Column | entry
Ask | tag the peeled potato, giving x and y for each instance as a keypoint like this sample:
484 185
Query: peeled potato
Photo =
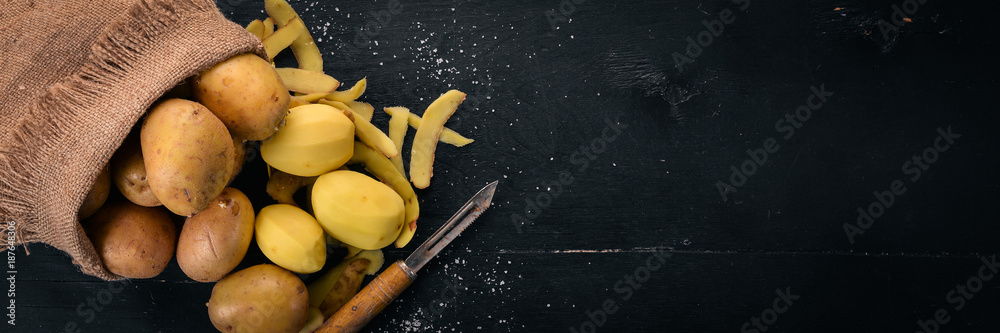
291 238
133 241
262 298
188 154
246 93
314 140
97 195
357 210
128 173
215 240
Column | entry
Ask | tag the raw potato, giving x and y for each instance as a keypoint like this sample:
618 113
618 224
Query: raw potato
246 94
97 196
357 210
448 135
291 238
338 285
425 141
214 241
128 173
262 298
379 166
315 139
188 155
133 241
239 156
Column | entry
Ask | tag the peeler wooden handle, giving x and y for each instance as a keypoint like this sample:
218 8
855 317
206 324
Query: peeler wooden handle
371 300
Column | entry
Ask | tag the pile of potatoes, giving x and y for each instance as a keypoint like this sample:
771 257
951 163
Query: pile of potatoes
173 171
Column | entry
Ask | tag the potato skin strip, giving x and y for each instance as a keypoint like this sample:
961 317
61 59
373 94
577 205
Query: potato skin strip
397 131
379 166
256 27
282 38
304 47
268 26
371 135
426 139
351 94
308 82
448 135
295 101
361 108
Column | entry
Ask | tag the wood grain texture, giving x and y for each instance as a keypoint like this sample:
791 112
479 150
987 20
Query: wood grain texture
370 301
538 97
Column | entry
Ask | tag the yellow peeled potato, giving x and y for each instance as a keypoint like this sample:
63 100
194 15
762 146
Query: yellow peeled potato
291 238
357 210
246 93
214 241
314 140
188 154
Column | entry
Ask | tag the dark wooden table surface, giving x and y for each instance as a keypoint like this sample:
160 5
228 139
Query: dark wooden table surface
863 144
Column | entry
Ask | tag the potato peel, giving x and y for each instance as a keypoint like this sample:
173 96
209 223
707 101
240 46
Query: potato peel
397 131
303 46
256 27
308 82
448 135
283 37
351 94
425 141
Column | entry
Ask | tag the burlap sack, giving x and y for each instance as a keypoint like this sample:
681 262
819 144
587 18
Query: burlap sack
75 76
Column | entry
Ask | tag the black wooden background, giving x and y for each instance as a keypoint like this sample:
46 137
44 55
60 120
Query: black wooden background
609 215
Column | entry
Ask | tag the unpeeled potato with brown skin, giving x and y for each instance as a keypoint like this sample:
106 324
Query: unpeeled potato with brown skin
262 298
246 93
133 241
128 173
97 196
214 241
188 154
239 156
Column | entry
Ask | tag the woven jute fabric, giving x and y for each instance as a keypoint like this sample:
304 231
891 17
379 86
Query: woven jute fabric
75 76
